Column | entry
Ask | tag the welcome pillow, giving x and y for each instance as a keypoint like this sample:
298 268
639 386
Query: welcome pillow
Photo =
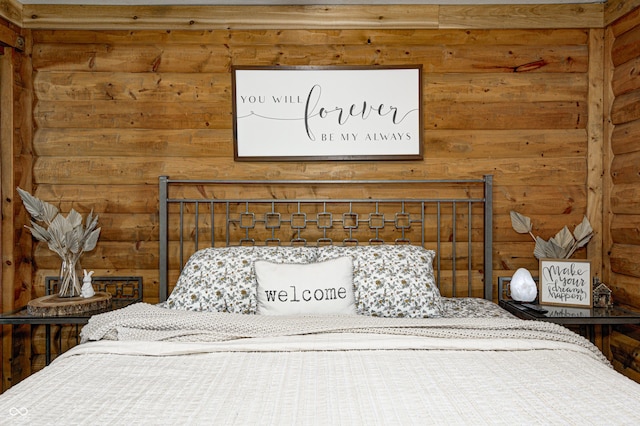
324 288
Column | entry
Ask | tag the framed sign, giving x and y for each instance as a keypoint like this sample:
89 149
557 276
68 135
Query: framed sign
565 282
327 113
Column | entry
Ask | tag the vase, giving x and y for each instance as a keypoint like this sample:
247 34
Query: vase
70 281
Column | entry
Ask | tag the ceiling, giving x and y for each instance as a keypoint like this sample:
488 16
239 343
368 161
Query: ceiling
295 2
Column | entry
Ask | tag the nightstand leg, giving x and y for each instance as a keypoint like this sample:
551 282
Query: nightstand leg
47 345
604 331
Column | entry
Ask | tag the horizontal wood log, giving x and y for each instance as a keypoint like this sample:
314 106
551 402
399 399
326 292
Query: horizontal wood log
65 196
128 170
626 108
625 229
219 143
625 289
626 46
219 58
626 77
216 87
133 114
505 59
134 142
310 37
154 87
540 200
129 227
543 225
107 255
101 197
624 259
624 199
525 143
225 17
625 168
516 87
624 138
316 16
443 115
506 16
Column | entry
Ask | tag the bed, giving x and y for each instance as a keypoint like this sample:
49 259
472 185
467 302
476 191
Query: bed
324 302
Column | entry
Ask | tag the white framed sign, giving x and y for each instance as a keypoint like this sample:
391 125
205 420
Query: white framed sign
565 282
327 113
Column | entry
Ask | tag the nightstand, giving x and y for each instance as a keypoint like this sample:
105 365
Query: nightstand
125 291
575 316
592 323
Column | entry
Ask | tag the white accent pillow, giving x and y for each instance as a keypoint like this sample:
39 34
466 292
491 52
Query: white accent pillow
324 288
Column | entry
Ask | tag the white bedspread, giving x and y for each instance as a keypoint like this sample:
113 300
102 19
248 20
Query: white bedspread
321 371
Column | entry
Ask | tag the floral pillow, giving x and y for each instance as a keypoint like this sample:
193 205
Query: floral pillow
391 280
223 279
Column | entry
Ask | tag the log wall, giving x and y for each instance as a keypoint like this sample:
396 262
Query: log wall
114 110
623 183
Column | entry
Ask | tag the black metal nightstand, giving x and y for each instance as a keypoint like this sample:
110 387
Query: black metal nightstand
588 322
575 316
125 291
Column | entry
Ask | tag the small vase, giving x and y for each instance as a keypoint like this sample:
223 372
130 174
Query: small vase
70 282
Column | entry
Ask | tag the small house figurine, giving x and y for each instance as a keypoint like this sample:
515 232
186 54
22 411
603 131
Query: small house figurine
602 297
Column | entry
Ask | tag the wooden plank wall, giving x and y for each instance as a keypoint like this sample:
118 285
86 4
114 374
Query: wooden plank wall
114 110
623 183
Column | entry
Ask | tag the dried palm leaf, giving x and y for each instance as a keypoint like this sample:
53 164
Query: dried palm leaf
521 223
40 211
562 246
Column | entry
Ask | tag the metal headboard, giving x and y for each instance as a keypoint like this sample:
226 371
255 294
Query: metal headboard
195 214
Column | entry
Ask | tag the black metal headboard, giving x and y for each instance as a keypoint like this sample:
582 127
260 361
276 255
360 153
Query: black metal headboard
452 217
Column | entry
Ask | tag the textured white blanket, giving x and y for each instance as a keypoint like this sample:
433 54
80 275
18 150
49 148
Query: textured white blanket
322 371
151 323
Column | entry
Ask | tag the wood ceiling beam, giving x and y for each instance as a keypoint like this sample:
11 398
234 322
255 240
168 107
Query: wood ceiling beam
69 17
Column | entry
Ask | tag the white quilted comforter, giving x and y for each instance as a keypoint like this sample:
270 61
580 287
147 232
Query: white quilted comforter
148 365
